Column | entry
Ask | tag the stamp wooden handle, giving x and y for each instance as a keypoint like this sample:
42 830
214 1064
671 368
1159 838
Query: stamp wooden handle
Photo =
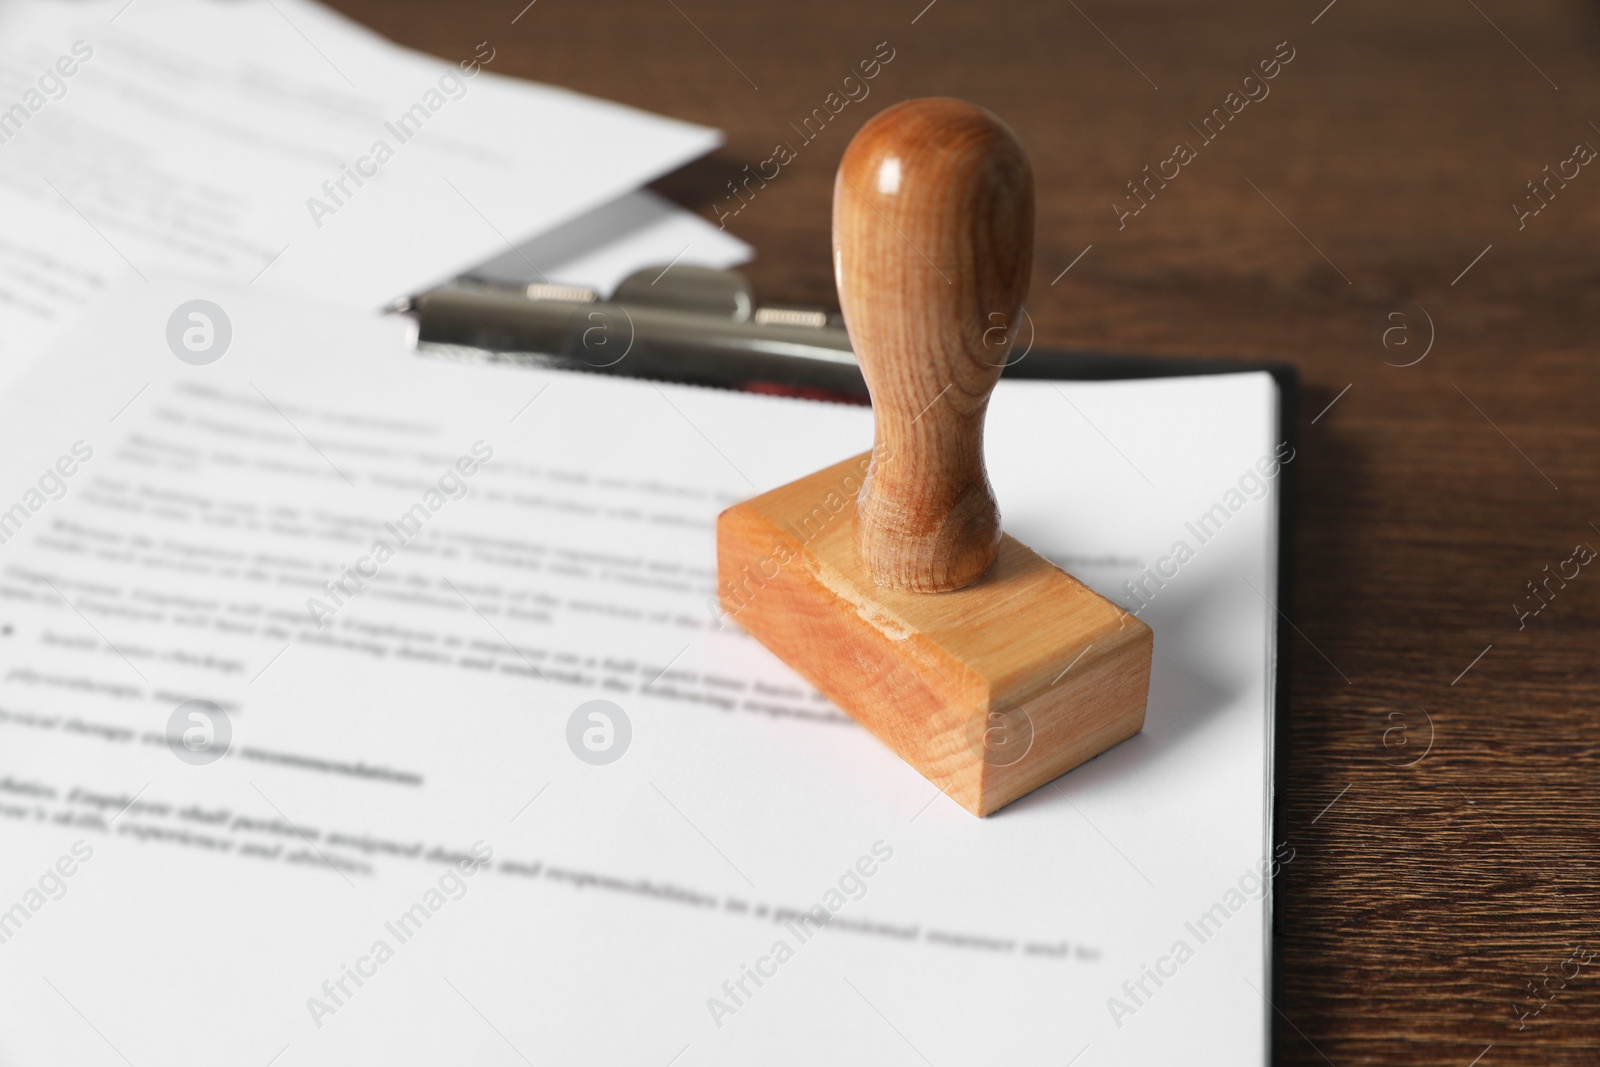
932 248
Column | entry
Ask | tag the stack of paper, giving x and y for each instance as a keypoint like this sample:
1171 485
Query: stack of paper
401 581
274 143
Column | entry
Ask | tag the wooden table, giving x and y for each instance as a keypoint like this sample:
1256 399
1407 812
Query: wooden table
1359 221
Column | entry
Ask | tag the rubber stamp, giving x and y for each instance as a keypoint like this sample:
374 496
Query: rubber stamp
886 580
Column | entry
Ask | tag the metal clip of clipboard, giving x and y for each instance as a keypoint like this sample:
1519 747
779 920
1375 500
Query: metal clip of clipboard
684 324
703 327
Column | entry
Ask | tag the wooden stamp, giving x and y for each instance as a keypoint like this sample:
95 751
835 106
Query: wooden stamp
885 580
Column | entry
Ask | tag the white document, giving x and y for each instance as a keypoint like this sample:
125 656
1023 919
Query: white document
598 250
409 851
272 143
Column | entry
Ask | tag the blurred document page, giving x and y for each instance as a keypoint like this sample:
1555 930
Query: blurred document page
397 829
598 250
271 143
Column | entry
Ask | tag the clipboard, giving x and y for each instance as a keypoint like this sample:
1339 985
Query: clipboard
698 326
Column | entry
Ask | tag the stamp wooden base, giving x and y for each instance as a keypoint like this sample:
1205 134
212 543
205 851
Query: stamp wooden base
989 691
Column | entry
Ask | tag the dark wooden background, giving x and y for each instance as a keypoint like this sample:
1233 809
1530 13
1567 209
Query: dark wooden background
1423 902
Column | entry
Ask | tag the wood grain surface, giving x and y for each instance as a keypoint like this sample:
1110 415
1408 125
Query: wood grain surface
1367 190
